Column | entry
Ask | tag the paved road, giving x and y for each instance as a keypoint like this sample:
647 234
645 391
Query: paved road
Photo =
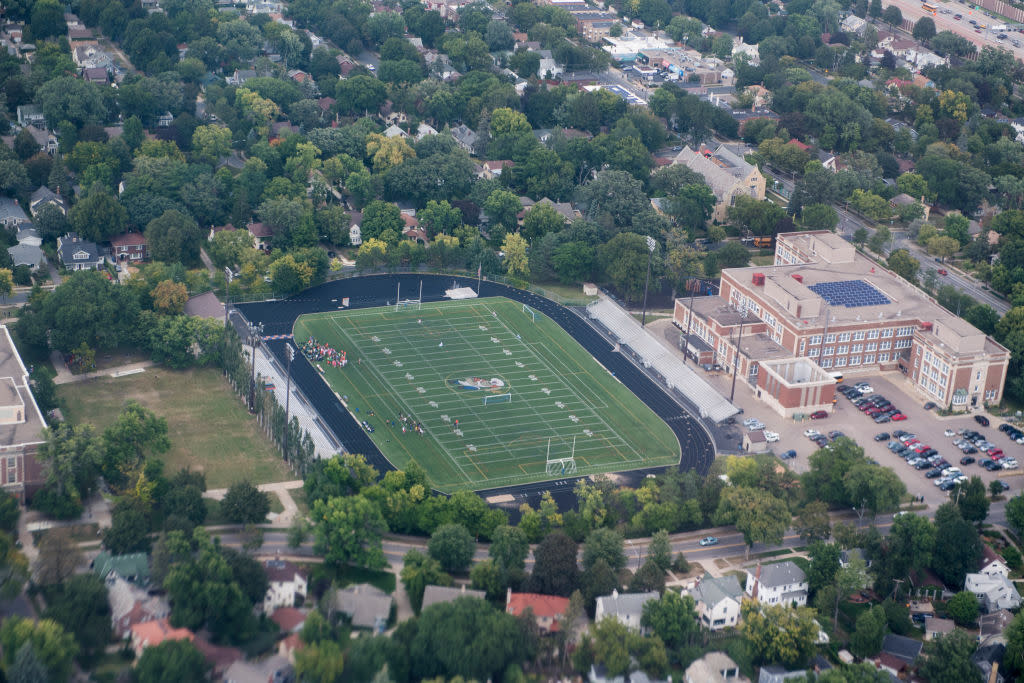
912 10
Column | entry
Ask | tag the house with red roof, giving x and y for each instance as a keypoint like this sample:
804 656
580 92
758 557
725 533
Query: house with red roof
289 619
261 235
150 633
546 609
129 247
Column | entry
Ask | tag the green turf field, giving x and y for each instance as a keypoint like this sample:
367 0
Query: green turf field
410 362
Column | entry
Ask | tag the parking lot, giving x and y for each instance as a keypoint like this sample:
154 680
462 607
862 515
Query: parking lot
928 426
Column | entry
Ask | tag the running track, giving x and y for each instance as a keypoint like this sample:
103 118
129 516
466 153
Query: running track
278 317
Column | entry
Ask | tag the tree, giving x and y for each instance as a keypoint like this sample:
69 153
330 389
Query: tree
825 564
924 29
26 667
320 662
452 546
554 568
501 208
80 606
910 544
517 263
14 569
509 548
673 618
659 550
439 217
813 521
972 500
539 220
136 434
904 265
612 199
624 260
71 456
650 577
173 237
379 217
868 632
604 544
130 526
245 504
348 530
170 662
211 143
949 659
819 217
757 514
1014 658
289 275
98 217
779 634
960 549
942 246
892 16
963 608
760 217
420 571
876 488
880 239
51 644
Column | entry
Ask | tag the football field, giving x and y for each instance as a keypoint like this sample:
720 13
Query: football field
484 393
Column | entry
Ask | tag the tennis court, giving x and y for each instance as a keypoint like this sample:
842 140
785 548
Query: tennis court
530 403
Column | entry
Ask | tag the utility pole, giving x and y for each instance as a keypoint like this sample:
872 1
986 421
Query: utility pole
288 398
689 320
255 332
736 362
652 244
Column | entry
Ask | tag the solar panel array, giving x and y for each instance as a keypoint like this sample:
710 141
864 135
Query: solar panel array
849 293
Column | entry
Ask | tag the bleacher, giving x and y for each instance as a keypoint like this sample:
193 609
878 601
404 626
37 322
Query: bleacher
628 332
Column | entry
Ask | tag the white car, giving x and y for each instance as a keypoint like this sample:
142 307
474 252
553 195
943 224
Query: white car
750 420
811 433
866 389
949 432
771 437
756 426
951 471
1010 464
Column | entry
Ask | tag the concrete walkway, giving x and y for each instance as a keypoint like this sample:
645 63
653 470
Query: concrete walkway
280 489
65 376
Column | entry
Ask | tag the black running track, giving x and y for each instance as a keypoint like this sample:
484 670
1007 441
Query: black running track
278 318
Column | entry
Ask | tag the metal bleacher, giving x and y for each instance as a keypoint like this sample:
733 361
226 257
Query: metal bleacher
628 332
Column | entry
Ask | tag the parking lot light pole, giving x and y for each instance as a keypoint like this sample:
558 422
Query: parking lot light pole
288 398
652 244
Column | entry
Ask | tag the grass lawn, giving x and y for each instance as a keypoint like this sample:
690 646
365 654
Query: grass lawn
492 386
209 428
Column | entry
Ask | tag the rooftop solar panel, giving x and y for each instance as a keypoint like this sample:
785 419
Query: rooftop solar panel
849 293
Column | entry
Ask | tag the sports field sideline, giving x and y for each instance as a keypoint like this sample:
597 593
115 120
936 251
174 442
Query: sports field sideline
435 364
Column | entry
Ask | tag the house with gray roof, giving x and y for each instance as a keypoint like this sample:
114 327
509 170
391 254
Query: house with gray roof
30 255
433 595
727 174
76 253
365 606
11 214
627 608
905 649
31 115
465 137
130 605
994 592
714 667
718 601
781 583
274 669
44 196
773 673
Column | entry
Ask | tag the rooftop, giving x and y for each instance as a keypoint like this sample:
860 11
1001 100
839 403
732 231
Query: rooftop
281 570
624 604
780 574
906 649
437 594
712 591
551 606
29 429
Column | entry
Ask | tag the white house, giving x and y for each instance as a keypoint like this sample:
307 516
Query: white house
780 583
286 582
994 592
628 608
854 24
355 235
991 563
718 601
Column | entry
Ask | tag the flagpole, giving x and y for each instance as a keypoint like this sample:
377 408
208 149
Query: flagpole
479 276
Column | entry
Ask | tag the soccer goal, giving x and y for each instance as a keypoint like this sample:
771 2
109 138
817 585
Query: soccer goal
497 398
530 312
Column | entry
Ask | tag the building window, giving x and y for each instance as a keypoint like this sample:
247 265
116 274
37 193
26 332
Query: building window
872 334
12 470
829 351
883 358
858 336
844 337
826 363
903 343
990 394
857 348
960 398
843 349
904 331
869 358
840 362
813 353
815 340
978 376
886 333
871 346
803 346
854 360
885 346
830 338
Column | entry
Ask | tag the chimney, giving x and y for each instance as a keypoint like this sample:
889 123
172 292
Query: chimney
615 593
757 580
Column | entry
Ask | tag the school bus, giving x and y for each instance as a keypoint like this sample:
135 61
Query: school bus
762 242
929 8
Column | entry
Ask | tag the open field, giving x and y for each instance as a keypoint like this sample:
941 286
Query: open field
512 382
209 427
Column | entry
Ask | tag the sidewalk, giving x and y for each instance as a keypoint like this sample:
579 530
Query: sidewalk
280 489
65 376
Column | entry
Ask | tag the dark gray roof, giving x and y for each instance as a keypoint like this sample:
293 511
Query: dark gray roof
365 605
902 647
71 244
44 194
781 574
712 591
9 210
25 255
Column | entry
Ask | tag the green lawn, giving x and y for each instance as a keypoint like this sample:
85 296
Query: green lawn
411 362
209 427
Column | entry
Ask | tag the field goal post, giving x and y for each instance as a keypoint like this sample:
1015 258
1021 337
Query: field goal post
560 466
530 312
497 398
408 304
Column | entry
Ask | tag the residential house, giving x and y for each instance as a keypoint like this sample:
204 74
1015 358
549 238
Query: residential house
780 583
152 633
282 129
44 196
30 255
11 215
46 140
718 601
96 74
902 648
923 609
993 592
130 247
130 605
989 660
726 173
846 555
547 609
437 594
853 24
78 254
275 669
935 627
992 627
599 674
133 567
628 608
218 657
31 115
991 563
286 585
465 137
393 131
773 673
714 667
240 76
355 235
563 209
365 606
261 235
21 425
493 169
548 67
750 51
289 619
165 120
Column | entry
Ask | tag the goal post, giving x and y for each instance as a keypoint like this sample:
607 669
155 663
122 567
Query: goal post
530 312
497 398
560 466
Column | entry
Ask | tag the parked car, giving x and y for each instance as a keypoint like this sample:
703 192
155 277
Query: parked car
883 419
750 421
787 455
898 417
949 432
1003 485
982 420
771 437
882 436
905 437
967 460
835 434
708 540
929 405
866 389
1010 464
818 415
933 473
811 433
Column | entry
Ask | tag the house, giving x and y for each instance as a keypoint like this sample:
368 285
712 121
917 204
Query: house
718 601
548 67
854 24
78 254
993 592
44 196
289 619
240 76
218 657
286 585
21 424
393 131
31 115
991 563
11 215
96 74
563 209
902 648
599 674
546 608
130 247
151 633
628 608
47 141
726 173
935 627
355 235
30 255
779 583
437 594
261 235
492 169
772 673
465 137
853 553
165 120
992 626
133 567
755 442
130 605
424 129
989 659
365 606
714 667
276 669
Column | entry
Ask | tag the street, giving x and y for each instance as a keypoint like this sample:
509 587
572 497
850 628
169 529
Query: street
986 37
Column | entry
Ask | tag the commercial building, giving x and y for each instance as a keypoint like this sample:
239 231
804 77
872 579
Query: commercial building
823 308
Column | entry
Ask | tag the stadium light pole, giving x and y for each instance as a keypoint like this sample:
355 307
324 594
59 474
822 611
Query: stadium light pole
255 331
652 244
689 319
288 398
736 362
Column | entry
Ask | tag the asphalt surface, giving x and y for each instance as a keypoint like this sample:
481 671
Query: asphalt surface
278 318
986 37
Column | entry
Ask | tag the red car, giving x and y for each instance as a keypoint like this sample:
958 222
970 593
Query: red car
819 415
995 452
912 442
898 417
941 271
